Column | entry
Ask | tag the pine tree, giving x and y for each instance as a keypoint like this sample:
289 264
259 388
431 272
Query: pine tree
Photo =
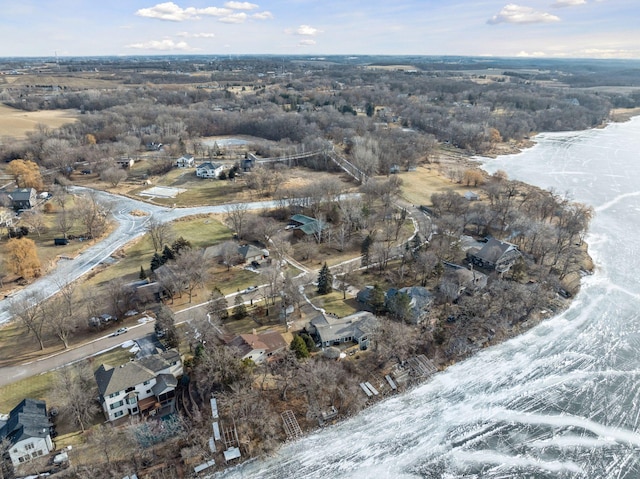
365 250
240 309
325 280
180 244
167 254
376 299
299 347
156 261
143 273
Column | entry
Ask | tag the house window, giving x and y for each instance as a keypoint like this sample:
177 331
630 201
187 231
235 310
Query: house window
116 404
146 382
132 400
29 446
118 414
22 459
112 395
148 391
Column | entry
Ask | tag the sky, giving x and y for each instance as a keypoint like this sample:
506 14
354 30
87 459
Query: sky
526 28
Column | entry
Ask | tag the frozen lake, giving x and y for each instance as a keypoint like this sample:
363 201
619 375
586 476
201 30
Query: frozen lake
561 401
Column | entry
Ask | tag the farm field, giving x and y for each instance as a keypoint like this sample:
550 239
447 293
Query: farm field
16 123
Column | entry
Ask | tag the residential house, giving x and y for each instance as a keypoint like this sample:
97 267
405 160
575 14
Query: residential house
329 330
420 302
304 226
28 430
209 170
252 254
495 255
459 280
125 162
145 387
153 146
258 347
23 198
471 196
186 161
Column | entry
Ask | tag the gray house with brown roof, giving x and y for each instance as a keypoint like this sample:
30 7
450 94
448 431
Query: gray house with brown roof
144 387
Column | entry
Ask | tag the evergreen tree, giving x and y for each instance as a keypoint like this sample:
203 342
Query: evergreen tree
365 251
240 309
399 306
156 261
299 347
180 244
376 299
143 273
167 254
325 280
308 340
218 304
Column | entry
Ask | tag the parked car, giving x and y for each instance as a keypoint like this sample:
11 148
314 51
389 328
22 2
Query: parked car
120 331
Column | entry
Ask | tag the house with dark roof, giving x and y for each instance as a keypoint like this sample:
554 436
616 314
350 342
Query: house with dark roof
252 254
420 301
304 226
144 387
258 347
23 198
495 255
28 430
330 330
209 170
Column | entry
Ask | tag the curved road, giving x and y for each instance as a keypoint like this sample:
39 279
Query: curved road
129 228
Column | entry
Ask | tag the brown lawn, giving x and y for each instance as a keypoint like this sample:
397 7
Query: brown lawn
16 123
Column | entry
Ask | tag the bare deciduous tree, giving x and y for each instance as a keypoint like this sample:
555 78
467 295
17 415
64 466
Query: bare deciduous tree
30 313
75 392
236 215
161 233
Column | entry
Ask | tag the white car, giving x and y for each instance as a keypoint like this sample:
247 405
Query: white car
120 331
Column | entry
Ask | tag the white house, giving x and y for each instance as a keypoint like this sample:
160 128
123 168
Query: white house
144 387
186 161
27 429
209 170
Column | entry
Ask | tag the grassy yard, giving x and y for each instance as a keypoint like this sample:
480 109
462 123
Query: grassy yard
419 185
40 386
201 231
332 302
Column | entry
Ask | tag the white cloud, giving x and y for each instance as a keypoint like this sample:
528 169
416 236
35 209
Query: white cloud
524 54
306 42
196 35
262 15
305 30
162 45
241 5
169 11
512 13
568 3
234 18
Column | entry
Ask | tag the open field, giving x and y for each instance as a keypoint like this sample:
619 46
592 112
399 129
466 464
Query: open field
16 123
75 80
419 185
201 231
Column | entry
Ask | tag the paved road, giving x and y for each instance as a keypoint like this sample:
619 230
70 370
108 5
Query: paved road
12 374
129 228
